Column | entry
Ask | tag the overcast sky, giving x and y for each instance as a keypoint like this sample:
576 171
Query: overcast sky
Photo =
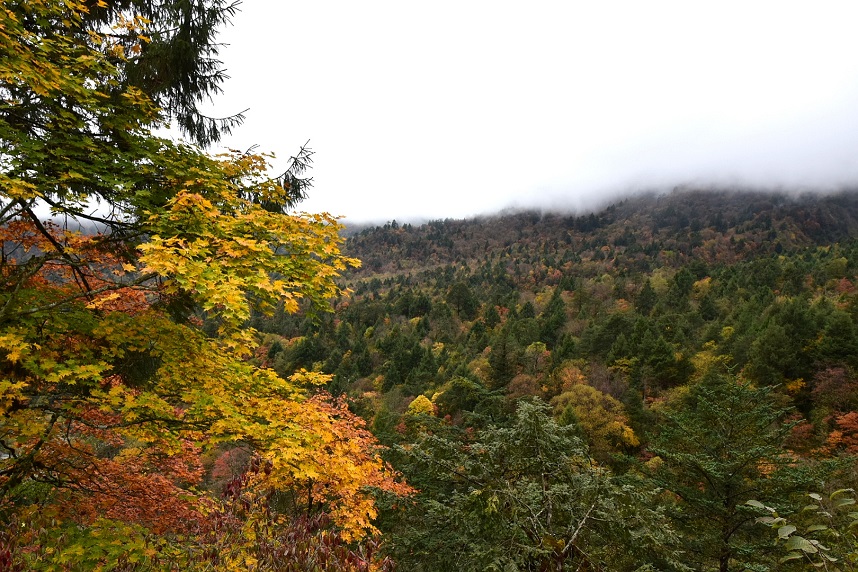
427 110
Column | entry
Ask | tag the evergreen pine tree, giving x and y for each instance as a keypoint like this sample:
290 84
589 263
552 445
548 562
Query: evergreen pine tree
720 447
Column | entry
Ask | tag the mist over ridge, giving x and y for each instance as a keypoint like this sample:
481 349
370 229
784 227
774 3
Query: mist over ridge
595 203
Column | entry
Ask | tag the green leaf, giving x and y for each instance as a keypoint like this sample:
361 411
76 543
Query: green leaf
786 530
791 556
815 527
800 543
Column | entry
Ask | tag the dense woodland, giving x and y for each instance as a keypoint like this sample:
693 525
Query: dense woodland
692 339
194 377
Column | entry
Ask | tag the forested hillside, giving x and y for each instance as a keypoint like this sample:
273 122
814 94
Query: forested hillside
195 377
635 295
623 323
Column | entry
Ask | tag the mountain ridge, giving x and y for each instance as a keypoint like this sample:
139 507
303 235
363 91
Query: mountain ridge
690 223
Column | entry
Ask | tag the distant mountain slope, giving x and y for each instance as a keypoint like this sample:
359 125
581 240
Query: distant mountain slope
637 301
680 226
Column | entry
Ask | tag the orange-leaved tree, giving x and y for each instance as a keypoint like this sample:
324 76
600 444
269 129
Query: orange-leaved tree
129 266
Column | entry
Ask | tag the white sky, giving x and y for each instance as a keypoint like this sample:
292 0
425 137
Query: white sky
426 110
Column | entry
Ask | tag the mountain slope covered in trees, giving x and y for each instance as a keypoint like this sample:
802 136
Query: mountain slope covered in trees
651 276
654 386
702 341
714 225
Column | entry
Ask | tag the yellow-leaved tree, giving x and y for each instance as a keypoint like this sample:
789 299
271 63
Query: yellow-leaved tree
124 361
601 418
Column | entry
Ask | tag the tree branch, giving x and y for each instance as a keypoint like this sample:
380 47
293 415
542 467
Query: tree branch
88 294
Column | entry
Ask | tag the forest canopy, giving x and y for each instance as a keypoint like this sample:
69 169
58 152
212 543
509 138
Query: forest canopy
194 376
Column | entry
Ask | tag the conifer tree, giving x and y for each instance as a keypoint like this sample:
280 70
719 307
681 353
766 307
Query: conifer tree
720 447
177 66
552 319
525 496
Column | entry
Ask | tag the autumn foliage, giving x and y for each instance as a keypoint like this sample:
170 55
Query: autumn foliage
124 357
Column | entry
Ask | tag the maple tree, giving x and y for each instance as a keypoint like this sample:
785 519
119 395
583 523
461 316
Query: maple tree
123 352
